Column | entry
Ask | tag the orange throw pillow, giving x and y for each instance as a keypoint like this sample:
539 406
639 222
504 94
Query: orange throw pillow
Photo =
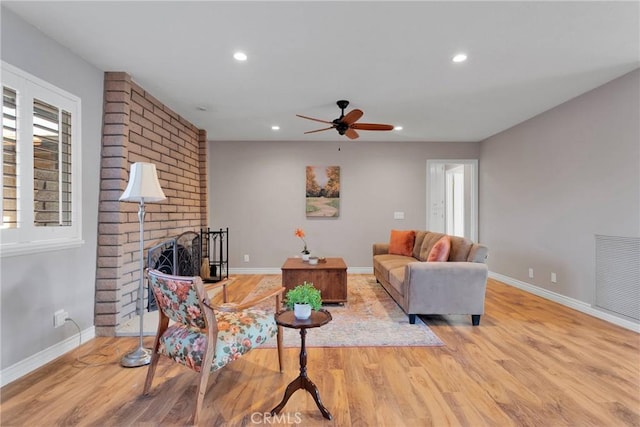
401 242
440 251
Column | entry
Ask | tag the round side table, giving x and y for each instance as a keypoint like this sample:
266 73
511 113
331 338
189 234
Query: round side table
288 320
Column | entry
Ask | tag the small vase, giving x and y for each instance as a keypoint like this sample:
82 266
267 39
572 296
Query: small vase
302 311
305 257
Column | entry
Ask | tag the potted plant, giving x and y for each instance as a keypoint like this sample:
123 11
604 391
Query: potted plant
302 299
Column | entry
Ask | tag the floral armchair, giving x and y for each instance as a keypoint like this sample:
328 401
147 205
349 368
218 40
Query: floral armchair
205 337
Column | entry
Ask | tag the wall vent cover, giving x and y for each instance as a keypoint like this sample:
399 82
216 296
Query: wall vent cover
618 275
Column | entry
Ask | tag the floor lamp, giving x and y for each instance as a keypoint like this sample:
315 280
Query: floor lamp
143 187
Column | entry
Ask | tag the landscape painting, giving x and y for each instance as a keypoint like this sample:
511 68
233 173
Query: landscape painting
323 191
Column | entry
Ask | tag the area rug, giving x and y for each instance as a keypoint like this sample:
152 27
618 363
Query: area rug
369 318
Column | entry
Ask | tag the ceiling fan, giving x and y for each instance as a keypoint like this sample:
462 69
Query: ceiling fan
346 124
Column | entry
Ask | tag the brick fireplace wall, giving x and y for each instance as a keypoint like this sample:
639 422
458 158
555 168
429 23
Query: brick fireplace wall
138 127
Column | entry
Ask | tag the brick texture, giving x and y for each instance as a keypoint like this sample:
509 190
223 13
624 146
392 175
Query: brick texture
137 127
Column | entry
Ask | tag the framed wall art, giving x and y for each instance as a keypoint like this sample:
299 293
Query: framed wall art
323 191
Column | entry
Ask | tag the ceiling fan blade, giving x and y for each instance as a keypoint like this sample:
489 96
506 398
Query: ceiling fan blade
315 120
318 130
371 126
351 134
352 116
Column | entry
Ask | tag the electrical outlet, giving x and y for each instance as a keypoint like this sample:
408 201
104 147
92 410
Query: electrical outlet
554 278
59 317
530 273
246 258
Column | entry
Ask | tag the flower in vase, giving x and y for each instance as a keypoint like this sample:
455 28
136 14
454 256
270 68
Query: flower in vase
300 233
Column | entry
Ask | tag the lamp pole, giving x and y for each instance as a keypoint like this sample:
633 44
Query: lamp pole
143 185
140 356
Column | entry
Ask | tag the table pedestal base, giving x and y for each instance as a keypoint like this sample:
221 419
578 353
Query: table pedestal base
306 384
302 382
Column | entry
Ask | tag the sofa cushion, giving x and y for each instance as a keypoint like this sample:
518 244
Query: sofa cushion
430 239
401 242
460 248
396 279
418 243
384 263
440 251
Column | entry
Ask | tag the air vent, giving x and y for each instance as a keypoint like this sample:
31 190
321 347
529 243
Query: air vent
618 275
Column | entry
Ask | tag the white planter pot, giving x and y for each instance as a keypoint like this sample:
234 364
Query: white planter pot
302 311
305 257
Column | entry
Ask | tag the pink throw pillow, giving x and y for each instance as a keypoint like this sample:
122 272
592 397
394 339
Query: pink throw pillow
440 251
401 242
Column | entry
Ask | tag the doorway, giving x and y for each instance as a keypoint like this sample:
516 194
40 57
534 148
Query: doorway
452 197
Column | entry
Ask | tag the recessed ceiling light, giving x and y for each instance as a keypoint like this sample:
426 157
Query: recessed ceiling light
240 56
397 128
275 127
201 108
461 57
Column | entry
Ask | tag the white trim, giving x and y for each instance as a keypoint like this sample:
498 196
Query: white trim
262 270
277 270
40 359
575 304
28 238
359 270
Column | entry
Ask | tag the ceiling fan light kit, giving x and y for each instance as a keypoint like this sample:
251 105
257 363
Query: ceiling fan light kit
346 123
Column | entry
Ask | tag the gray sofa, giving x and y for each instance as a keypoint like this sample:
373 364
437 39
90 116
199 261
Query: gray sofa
454 287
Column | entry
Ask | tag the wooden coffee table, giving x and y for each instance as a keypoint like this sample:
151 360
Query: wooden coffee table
329 277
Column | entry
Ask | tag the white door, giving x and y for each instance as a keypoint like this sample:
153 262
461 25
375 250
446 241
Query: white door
436 198
454 200
453 208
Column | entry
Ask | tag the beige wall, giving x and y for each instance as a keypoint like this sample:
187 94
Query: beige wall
257 189
34 286
138 128
550 184
547 187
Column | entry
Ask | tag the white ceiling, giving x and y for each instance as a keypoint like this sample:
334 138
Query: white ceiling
391 59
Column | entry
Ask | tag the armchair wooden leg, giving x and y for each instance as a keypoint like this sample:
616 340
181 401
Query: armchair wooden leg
475 319
412 319
151 372
205 371
202 388
162 326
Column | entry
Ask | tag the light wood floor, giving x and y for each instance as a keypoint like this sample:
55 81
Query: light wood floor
531 362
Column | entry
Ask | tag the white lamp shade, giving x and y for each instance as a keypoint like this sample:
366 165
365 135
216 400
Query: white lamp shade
143 184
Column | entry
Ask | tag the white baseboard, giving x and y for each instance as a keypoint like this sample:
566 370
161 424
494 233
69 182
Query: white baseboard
567 301
40 359
360 270
260 270
277 270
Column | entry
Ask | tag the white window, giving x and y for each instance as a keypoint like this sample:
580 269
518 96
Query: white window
41 174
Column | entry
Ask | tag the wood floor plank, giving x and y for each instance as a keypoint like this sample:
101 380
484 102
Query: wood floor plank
436 411
531 362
